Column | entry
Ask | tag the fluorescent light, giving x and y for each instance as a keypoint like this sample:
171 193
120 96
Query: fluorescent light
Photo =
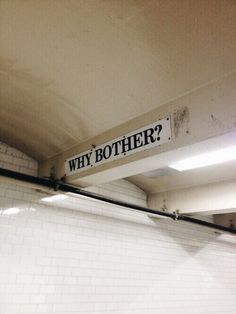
58 197
11 211
207 159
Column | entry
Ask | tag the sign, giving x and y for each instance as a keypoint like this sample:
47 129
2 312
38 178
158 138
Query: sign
147 137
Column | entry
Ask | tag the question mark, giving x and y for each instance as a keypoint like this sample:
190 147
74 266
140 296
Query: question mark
158 128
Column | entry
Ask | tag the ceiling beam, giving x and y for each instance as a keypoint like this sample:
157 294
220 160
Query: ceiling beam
209 199
198 119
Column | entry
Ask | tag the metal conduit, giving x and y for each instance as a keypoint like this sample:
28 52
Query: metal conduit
61 186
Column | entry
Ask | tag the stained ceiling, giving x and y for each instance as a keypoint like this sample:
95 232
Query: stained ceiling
70 70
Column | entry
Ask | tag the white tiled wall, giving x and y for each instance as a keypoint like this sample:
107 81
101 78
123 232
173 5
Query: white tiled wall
13 159
78 256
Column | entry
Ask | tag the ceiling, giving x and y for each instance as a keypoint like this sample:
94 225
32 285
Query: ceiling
70 70
167 179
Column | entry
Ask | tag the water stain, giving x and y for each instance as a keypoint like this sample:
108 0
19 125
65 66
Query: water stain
181 120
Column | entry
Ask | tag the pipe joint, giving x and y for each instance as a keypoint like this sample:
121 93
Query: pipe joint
176 215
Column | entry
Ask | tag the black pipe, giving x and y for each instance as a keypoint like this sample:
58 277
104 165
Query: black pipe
59 185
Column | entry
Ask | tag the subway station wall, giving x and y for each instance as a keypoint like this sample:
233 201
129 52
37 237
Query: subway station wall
81 256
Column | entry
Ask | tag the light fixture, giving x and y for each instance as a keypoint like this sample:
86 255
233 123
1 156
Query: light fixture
58 197
206 159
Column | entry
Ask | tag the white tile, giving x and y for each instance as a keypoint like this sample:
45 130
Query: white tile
105 259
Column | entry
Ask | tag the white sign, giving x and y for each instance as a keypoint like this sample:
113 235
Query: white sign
147 137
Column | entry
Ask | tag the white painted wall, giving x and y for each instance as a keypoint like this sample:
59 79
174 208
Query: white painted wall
208 199
104 259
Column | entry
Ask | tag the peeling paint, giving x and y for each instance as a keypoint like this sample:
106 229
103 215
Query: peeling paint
216 121
181 120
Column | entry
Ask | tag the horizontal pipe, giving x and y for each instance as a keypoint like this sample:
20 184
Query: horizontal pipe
61 186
